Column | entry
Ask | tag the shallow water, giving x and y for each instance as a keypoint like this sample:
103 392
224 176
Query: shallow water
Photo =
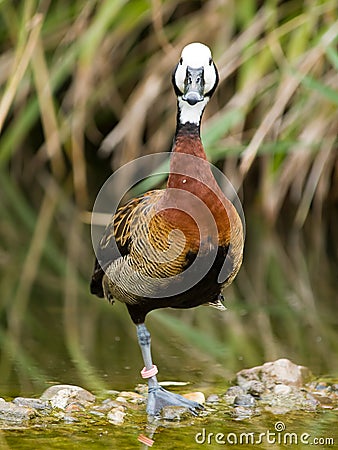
217 430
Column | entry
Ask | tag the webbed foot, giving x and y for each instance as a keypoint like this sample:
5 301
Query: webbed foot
158 398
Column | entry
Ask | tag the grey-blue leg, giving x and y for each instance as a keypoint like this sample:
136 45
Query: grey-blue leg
157 396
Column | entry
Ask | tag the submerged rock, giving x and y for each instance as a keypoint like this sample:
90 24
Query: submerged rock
243 404
325 394
232 393
245 400
129 395
116 415
174 412
243 412
295 400
105 406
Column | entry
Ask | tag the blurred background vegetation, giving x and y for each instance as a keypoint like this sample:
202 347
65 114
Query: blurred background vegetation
84 88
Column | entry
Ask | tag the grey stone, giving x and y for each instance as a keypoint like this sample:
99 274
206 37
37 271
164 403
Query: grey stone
10 412
245 400
106 406
62 395
281 371
255 388
35 403
242 412
121 399
282 389
321 386
212 398
174 412
232 393
295 400
116 415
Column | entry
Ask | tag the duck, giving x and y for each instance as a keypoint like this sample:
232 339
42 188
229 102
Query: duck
177 247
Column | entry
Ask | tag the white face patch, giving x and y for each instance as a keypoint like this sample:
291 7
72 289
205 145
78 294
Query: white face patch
196 55
191 113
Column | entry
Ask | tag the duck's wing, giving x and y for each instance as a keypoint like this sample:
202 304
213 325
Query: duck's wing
117 236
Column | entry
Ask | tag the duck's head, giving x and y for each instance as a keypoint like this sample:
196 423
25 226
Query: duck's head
195 79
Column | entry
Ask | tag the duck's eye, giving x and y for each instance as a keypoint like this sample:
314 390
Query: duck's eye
181 61
210 61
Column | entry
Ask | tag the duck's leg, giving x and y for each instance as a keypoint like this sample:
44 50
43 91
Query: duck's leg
157 396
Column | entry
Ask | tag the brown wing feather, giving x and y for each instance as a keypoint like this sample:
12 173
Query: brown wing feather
116 239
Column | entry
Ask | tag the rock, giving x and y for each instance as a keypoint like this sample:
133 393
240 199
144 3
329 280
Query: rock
245 400
277 410
321 386
35 403
74 407
105 406
325 402
132 397
69 418
334 392
121 399
195 397
116 415
255 388
142 389
112 392
10 412
281 389
296 399
62 395
310 402
130 394
242 412
174 412
232 393
269 374
213 398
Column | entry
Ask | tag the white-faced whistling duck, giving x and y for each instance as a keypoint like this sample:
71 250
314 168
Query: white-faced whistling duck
163 234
